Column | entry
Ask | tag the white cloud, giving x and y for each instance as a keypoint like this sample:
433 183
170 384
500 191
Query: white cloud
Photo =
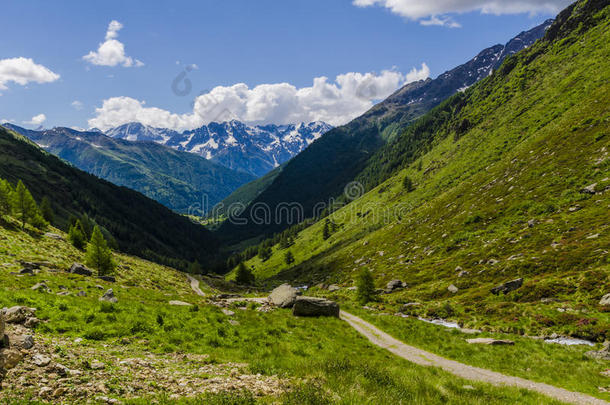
350 95
36 120
77 105
22 71
111 52
434 10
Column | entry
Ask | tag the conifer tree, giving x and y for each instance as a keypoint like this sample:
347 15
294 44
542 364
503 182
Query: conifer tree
6 192
23 204
46 210
244 275
365 286
195 268
326 230
99 256
288 258
76 235
407 184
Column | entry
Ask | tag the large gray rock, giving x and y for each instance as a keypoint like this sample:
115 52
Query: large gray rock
310 306
9 358
605 301
283 296
18 314
507 287
81 269
109 297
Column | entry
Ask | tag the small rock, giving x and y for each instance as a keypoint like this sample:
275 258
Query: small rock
233 322
41 360
26 271
463 273
531 223
45 391
41 287
59 392
507 287
109 279
589 189
109 297
9 358
31 322
468 387
605 301
603 354
81 269
490 341
24 341
227 312
97 365
53 236
333 288
452 289
81 294
458 268
394 285
78 340
180 303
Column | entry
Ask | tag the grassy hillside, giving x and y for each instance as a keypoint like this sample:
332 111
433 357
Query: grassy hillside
178 180
142 349
140 226
511 180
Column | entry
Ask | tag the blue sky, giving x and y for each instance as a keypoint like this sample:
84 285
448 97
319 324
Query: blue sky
279 46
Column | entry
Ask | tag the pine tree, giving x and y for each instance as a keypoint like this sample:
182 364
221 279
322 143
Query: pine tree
244 275
407 184
288 258
46 210
264 253
6 192
76 235
99 256
326 230
195 268
23 204
365 286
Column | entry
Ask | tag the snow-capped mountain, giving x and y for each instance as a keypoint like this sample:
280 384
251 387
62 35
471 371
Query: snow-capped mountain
251 149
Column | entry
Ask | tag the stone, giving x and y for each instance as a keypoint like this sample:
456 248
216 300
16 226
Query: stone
227 312
507 287
55 236
353 288
458 268
31 322
589 189
463 273
97 365
41 360
24 341
45 391
490 341
18 314
109 297
605 301
109 279
234 322
180 304
333 288
26 271
9 358
531 223
394 285
310 306
603 354
283 296
81 269
2 325
452 289
81 294
41 287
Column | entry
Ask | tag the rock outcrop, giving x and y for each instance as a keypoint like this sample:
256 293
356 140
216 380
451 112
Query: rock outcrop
310 306
81 269
109 297
507 287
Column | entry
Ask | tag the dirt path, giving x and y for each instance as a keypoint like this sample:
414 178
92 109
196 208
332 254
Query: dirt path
195 285
424 358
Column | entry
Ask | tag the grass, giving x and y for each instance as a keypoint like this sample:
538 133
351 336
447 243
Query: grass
324 359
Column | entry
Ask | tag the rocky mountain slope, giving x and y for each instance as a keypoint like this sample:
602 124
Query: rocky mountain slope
251 149
337 157
504 223
178 180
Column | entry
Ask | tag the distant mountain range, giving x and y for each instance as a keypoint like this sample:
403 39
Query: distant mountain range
339 156
176 179
250 149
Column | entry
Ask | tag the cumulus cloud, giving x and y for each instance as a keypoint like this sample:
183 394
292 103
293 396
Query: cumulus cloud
335 102
36 120
111 52
23 71
77 105
433 12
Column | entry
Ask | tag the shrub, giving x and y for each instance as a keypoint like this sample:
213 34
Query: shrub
365 287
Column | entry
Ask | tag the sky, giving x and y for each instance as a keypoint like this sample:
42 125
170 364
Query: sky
182 64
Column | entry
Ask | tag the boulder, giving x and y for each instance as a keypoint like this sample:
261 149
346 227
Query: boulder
23 341
41 360
507 287
9 358
333 288
283 296
41 287
31 322
452 289
605 301
26 271
603 354
394 285
109 279
227 312
310 306
490 341
109 297
81 269
18 314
